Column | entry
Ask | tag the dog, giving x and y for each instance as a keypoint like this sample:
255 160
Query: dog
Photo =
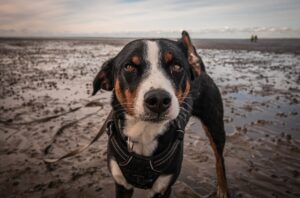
157 85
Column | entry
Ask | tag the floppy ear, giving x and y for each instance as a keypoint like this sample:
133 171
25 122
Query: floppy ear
190 51
104 79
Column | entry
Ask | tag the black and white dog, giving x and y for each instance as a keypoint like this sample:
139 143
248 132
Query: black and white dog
157 85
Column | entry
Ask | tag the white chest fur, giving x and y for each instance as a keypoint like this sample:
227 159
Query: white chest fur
142 135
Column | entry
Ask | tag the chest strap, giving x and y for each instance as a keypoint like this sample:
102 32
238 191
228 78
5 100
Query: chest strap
157 163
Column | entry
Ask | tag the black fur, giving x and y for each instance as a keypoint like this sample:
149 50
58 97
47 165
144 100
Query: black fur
207 101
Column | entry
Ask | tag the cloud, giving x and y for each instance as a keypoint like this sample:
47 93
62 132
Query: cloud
136 17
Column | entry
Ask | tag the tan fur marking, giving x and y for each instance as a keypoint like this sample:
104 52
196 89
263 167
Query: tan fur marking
181 95
136 60
118 92
126 99
130 97
168 56
221 177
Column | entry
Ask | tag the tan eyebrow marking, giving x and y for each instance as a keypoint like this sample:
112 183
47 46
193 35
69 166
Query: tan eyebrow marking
168 56
136 60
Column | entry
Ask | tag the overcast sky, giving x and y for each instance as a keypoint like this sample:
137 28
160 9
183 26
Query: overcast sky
162 18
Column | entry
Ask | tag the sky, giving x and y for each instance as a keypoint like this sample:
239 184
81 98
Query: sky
150 18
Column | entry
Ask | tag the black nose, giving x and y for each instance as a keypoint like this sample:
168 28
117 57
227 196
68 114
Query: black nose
157 101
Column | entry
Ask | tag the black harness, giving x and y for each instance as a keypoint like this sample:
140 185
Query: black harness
141 171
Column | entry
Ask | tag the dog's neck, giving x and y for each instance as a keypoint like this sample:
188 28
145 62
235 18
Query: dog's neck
142 135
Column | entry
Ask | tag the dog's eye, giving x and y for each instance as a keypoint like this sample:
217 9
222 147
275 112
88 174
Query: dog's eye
176 68
130 68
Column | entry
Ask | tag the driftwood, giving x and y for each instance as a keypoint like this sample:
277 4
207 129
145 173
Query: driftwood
40 120
9 121
79 150
62 128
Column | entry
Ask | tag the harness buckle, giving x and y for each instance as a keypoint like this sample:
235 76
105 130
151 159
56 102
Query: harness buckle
180 134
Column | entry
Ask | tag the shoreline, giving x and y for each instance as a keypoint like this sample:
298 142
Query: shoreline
285 45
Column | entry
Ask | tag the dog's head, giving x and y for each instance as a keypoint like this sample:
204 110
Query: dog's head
151 78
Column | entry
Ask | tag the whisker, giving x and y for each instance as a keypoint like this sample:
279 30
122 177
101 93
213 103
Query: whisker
184 109
117 106
123 104
183 117
123 110
187 104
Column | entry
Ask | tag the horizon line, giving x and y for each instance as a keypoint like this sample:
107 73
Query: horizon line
133 37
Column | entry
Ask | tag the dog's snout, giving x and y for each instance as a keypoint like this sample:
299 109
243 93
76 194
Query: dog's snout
157 101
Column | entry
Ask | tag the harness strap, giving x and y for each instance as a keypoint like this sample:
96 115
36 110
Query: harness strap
119 151
157 163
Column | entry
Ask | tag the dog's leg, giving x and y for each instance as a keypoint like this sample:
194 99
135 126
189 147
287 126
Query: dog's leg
123 189
217 144
208 107
122 192
161 187
167 194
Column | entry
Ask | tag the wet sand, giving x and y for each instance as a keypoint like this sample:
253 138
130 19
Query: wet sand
46 88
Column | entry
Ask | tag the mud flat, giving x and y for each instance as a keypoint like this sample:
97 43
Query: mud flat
46 88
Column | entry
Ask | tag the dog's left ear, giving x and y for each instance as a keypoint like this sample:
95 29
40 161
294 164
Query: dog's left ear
190 51
104 79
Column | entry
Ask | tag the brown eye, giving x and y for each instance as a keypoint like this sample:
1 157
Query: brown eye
130 68
176 68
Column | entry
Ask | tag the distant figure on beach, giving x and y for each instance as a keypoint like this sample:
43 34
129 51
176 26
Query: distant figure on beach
253 38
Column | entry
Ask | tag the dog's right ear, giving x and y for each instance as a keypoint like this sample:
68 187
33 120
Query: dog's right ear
104 79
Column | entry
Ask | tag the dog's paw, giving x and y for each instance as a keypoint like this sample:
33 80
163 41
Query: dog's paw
153 194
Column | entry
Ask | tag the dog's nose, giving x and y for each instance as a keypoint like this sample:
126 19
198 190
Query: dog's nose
157 101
